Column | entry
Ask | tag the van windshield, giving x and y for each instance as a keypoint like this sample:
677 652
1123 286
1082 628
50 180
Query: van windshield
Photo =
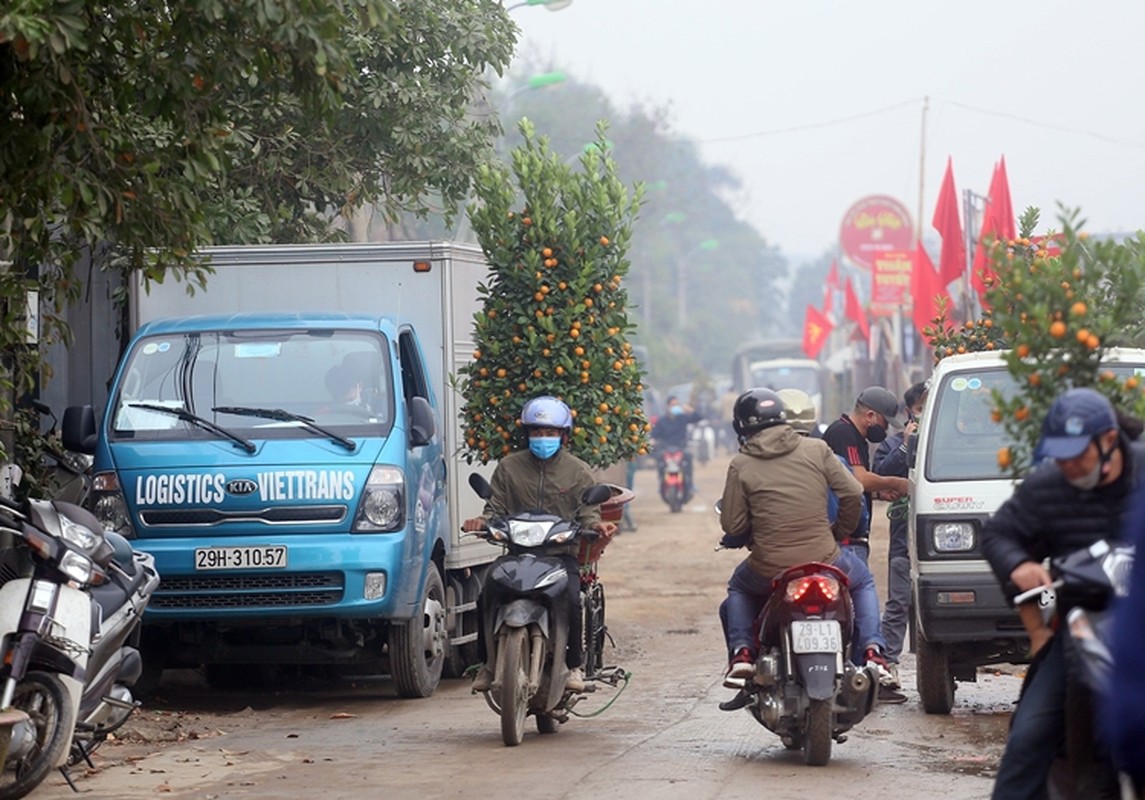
965 439
337 378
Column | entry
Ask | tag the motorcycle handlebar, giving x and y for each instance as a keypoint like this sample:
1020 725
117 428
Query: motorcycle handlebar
1030 594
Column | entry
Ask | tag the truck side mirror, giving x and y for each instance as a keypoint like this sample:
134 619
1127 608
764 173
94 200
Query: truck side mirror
422 425
78 433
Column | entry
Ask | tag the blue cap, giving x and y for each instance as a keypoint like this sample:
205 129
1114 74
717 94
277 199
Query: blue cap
1075 417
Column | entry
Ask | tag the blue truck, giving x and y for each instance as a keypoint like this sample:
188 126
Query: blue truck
285 442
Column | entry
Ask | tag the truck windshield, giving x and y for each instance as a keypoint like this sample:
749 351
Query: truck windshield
966 440
339 379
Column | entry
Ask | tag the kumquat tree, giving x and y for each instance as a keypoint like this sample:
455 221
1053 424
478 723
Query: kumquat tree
554 319
1055 306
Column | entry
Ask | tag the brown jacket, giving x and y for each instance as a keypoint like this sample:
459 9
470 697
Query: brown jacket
777 488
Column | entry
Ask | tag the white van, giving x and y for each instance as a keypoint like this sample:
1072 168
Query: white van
962 619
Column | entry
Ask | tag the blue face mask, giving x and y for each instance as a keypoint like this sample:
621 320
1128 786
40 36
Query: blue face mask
544 447
676 411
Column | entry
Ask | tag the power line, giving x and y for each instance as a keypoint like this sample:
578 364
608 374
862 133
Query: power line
1047 125
810 126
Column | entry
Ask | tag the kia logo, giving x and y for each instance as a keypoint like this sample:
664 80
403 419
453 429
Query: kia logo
241 486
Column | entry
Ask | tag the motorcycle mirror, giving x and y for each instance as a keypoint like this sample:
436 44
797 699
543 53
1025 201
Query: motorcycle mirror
719 506
478 483
596 495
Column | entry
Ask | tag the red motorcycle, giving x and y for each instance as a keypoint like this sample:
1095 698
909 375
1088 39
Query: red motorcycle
805 687
674 487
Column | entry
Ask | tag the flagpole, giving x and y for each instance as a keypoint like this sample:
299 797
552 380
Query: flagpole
921 169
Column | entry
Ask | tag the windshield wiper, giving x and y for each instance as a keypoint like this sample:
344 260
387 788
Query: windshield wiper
282 415
195 419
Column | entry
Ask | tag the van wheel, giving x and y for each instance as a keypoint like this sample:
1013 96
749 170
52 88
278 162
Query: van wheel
418 647
934 678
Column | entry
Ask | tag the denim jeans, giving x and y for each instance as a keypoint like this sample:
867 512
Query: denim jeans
748 592
896 612
1037 729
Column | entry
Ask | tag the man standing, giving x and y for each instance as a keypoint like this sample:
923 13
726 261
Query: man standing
891 459
1074 498
875 408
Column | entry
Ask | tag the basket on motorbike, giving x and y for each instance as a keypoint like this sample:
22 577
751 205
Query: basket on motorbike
611 510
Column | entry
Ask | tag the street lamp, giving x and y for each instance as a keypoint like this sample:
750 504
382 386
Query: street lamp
705 246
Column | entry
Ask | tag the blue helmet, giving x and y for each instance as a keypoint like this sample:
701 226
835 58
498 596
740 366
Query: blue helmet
546 412
1076 416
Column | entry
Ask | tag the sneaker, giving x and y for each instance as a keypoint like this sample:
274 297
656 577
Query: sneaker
741 668
575 680
875 658
741 699
892 679
484 680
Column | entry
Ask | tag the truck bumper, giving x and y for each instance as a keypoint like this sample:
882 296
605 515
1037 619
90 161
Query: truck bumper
333 576
964 608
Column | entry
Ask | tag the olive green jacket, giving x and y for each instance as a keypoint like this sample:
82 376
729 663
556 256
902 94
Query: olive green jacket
523 482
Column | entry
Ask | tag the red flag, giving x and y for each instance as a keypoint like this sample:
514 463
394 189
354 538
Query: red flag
816 328
948 222
925 289
855 312
997 225
832 287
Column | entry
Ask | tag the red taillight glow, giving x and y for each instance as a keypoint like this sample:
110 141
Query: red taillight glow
813 588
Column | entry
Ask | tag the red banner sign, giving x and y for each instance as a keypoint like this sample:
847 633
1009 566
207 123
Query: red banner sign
890 282
875 226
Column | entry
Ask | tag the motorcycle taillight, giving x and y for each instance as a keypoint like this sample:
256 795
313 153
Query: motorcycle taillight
813 590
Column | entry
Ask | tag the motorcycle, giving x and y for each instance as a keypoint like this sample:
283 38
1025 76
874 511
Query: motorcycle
71 599
523 608
805 688
674 487
1085 582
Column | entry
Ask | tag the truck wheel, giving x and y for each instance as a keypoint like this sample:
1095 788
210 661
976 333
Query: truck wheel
418 647
817 747
934 678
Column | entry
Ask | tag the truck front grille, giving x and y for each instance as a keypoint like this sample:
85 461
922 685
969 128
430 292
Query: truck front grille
282 515
249 590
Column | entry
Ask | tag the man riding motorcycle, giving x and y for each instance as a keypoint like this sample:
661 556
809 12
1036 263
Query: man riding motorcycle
776 493
547 478
671 433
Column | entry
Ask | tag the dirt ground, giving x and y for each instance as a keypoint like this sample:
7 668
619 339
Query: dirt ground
664 736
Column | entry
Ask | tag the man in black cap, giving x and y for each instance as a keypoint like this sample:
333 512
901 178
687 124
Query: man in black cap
875 408
1073 498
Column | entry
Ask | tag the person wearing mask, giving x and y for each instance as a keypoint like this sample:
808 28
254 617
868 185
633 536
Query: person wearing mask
890 458
850 437
671 433
1076 495
775 503
546 477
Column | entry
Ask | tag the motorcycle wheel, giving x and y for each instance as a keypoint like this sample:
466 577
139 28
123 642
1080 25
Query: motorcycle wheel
418 647
676 501
513 656
817 747
934 679
46 701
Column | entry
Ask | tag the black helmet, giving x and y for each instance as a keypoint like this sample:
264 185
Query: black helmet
755 410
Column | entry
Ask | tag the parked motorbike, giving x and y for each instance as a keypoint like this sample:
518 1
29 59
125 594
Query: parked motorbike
71 599
1085 583
65 473
524 613
674 487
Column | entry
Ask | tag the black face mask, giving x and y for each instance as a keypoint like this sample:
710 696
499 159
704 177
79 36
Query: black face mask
876 433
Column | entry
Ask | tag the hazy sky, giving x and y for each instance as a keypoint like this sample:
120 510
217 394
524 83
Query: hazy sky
817 104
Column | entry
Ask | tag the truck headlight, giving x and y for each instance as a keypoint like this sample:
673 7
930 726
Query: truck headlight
953 537
382 507
109 506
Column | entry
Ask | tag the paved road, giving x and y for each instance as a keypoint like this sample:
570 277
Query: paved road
663 738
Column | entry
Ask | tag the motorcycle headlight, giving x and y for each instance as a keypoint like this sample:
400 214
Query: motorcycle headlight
79 535
76 566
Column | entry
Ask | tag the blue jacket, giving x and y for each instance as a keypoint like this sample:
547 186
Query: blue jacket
1125 705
